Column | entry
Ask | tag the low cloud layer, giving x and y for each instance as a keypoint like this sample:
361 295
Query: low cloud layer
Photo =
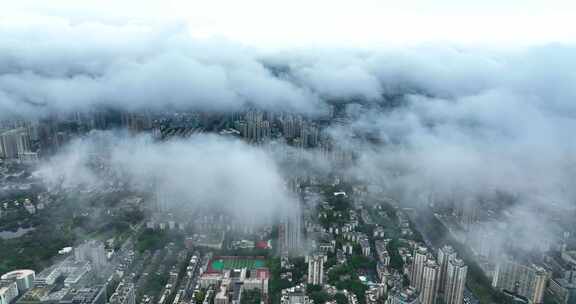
55 65
205 171
59 66
470 127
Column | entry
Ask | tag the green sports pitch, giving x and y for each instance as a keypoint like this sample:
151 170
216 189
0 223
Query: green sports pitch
223 263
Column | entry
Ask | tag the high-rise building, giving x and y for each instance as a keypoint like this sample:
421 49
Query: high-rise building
468 212
482 241
540 285
160 201
418 263
14 143
429 287
316 269
24 278
292 231
522 280
137 122
445 254
8 291
93 252
455 281
255 127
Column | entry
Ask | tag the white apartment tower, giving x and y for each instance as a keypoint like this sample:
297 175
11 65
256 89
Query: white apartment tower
316 269
528 281
429 287
445 254
292 231
417 271
455 281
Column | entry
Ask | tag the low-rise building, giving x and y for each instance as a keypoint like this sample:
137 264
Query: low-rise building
295 295
93 295
403 296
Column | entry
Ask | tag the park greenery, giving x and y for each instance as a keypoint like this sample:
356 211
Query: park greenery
316 294
68 220
251 297
345 276
276 284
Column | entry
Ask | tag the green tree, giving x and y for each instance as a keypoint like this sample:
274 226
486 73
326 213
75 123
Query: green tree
251 297
341 298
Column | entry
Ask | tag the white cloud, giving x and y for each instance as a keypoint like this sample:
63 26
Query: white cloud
275 23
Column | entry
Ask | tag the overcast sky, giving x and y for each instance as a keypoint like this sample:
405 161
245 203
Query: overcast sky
305 23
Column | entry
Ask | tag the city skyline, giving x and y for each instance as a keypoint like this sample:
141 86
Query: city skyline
292 152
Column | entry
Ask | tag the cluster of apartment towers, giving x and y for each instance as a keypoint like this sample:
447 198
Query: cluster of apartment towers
432 277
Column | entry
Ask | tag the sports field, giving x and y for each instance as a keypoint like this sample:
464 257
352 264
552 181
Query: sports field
222 263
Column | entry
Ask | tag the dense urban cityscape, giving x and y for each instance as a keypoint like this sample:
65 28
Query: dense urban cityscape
311 152
342 241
